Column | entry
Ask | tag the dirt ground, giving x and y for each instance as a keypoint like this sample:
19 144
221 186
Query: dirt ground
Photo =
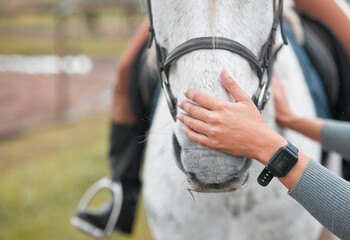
30 101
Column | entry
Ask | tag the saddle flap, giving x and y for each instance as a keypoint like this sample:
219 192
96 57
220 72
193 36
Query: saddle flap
330 59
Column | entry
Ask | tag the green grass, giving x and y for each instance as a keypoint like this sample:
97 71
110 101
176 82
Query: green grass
101 47
89 46
35 34
45 173
28 21
9 45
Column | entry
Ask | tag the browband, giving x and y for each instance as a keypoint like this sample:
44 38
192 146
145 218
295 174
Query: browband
211 43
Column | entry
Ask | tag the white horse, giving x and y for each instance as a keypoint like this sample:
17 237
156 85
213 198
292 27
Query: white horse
252 212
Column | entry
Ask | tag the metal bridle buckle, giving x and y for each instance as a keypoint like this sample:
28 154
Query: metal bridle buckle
171 101
116 189
264 96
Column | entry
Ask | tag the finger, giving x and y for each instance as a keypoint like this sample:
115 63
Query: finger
194 110
232 87
192 123
202 99
196 137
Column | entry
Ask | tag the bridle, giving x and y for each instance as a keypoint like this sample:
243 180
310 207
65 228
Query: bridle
263 63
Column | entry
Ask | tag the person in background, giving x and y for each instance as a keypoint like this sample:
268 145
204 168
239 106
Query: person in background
126 144
333 135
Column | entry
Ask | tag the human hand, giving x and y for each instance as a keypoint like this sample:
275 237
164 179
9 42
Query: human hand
283 113
235 128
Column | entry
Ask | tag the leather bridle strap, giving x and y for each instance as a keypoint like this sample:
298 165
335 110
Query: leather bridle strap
212 43
151 27
267 56
263 63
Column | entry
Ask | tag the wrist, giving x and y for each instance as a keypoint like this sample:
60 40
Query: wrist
288 121
268 146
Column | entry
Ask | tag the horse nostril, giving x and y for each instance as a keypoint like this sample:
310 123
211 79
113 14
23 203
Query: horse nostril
192 175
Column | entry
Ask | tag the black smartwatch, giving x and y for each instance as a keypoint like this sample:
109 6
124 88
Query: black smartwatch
280 164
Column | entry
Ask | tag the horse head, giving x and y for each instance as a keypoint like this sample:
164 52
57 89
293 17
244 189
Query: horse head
177 21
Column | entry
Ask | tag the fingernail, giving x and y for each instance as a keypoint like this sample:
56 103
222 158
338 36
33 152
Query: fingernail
178 115
180 104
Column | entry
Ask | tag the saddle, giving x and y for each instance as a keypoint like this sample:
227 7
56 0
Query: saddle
143 88
329 58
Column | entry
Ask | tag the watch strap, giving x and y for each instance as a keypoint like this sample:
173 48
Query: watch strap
293 148
265 177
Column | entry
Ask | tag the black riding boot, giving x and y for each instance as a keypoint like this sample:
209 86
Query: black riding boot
126 149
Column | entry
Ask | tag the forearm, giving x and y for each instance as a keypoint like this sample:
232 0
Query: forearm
326 197
321 192
333 135
329 13
310 127
295 174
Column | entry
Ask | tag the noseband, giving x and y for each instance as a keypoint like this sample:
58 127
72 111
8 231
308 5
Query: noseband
263 63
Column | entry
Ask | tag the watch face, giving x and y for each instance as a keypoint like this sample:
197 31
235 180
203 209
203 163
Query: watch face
282 163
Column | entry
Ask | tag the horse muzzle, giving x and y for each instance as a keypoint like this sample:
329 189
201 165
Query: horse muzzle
229 186
208 170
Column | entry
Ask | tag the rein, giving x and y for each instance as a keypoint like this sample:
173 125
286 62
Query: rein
262 63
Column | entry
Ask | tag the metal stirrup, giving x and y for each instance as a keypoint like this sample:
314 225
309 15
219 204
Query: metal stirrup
117 191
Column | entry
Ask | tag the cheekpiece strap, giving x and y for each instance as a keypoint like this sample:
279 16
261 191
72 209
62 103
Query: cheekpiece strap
151 27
